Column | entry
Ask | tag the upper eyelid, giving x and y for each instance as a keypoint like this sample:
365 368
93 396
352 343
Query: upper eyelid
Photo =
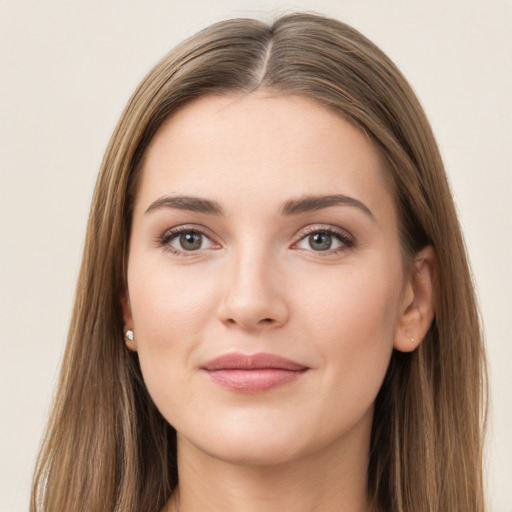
170 234
175 230
327 228
344 237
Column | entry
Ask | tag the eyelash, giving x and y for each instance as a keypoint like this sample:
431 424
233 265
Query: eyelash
171 234
342 236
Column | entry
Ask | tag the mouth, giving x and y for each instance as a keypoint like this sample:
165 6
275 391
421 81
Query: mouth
253 373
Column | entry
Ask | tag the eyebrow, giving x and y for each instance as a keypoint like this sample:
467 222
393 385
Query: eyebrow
313 203
291 207
191 204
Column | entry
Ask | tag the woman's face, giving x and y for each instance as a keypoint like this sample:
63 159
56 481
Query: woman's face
265 277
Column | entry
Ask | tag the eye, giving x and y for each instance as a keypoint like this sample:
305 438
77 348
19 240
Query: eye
185 240
325 240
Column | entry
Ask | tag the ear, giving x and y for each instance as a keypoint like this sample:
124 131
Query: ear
128 323
418 303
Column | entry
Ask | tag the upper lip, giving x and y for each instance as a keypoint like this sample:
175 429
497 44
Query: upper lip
261 361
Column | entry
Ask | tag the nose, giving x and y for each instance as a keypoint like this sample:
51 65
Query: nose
254 297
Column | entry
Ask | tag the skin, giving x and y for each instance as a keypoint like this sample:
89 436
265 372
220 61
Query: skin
256 284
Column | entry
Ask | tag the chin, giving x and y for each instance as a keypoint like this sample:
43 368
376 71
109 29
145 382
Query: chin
255 453
248 446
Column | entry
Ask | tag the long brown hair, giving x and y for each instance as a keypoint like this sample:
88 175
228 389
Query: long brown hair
108 448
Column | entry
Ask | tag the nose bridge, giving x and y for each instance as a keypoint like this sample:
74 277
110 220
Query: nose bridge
252 294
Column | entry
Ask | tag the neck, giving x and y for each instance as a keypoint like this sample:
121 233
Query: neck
333 479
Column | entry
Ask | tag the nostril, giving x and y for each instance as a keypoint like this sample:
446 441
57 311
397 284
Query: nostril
249 324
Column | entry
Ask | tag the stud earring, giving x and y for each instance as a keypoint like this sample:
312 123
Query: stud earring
129 335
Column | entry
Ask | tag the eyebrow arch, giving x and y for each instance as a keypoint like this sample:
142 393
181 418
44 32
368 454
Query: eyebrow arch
189 203
313 203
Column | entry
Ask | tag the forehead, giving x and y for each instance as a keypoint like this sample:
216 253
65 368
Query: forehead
239 147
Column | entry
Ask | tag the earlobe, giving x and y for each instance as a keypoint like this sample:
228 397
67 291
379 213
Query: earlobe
128 333
418 306
129 339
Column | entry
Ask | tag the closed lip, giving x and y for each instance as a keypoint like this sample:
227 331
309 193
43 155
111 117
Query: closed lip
260 361
256 373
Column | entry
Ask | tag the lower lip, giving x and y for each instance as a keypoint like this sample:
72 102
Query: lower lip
254 381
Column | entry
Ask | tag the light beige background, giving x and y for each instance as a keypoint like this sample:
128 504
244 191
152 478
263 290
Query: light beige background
66 70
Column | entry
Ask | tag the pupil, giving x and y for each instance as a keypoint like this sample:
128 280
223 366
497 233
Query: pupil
190 241
320 241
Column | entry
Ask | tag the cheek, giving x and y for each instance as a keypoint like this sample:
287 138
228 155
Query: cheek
352 325
168 310
358 306
167 304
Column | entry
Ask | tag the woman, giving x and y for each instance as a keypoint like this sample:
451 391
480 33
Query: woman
273 236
